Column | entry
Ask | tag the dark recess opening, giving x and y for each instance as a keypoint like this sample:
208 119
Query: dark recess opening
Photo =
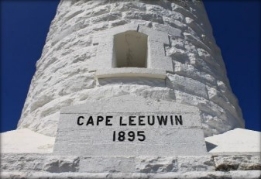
130 49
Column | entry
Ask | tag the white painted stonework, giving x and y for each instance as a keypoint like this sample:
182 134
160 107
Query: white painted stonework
182 62
147 127
237 141
23 159
130 58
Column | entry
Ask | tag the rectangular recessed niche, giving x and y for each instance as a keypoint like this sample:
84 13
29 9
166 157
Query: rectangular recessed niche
130 50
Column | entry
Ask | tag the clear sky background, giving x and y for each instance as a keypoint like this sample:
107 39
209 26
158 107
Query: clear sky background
25 24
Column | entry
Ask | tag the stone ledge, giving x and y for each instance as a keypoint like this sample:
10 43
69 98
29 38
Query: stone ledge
235 142
239 142
26 141
30 163
255 174
131 72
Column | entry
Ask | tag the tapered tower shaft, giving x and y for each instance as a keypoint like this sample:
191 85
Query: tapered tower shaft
162 50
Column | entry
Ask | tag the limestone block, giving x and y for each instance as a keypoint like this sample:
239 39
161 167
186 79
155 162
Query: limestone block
180 134
217 96
118 23
157 59
173 32
39 162
110 165
154 36
226 163
187 85
61 164
50 122
203 163
191 72
109 105
253 174
153 17
157 165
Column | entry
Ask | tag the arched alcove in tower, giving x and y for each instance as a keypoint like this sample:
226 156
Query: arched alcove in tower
130 49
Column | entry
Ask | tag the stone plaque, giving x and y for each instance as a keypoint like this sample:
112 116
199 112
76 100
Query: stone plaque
130 126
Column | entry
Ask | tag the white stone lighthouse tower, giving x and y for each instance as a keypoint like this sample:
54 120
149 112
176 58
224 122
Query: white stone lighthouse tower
130 89
160 50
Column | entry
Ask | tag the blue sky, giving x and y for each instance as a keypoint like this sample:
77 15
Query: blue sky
25 23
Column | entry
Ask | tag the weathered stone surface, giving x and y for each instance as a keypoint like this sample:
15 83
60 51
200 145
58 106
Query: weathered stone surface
107 165
188 85
39 162
129 164
204 163
186 175
157 165
226 163
254 174
180 134
55 166
180 41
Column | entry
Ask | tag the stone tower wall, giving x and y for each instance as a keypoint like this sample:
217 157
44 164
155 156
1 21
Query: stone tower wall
64 77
